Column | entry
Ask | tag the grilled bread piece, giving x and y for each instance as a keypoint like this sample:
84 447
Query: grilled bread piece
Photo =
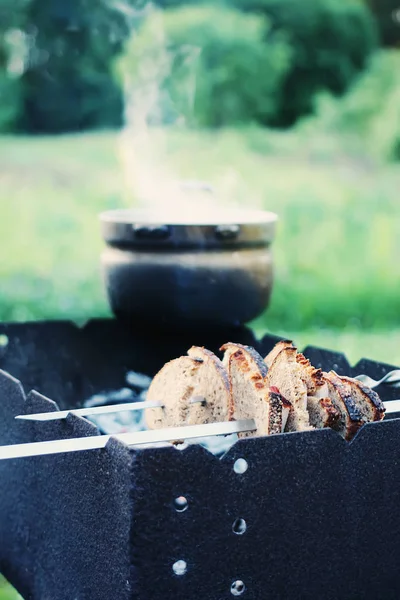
285 374
368 401
269 359
322 412
351 418
256 362
251 396
312 377
214 386
200 375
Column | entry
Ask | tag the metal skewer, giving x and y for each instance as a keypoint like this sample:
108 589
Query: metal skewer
393 406
97 410
136 438
130 439
86 412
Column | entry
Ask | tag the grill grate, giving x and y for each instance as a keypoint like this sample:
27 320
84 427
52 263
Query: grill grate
302 515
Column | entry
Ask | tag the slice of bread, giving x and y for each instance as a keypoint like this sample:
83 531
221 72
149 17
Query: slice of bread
351 418
269 359
251 396
214 386
255 360
312 377
285 374
368 401
200 376
322 412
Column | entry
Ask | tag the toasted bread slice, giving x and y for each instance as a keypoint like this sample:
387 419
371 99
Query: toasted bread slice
320 407
251 396
214 386
269 359
255 360
312 377
368 401
351 418
342 403
285 373
200 375
322 412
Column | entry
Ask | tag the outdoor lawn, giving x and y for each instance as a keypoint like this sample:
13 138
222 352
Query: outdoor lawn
336 251
6 592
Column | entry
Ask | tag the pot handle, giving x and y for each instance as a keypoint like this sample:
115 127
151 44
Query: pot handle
152 232
227 232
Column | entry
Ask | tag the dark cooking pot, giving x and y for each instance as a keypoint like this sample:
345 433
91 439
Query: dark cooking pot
188 271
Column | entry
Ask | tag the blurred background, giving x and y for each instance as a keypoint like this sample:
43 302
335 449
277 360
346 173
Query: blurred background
281 104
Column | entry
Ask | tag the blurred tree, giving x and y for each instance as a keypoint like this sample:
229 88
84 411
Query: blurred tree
387 13
68 84
370 110
331 40
12 56
213 65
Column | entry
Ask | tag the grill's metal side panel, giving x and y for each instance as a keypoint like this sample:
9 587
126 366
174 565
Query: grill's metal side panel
322 519
65 519
69 364
59 359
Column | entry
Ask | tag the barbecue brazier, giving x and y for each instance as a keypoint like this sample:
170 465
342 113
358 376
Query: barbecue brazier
301 516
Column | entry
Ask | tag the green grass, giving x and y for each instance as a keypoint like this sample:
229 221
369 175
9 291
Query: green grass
337 248
7 592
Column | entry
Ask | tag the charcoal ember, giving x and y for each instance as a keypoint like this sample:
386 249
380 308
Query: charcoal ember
111 397
217 445
138 380
120 422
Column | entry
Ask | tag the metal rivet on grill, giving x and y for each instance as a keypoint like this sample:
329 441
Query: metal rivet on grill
240 466
237 588
180 504
3 341
239 526
179 567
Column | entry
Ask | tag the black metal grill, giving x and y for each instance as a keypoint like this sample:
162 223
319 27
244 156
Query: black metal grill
311 517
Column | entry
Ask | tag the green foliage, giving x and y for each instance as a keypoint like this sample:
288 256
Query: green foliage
12 54
68 83
7 592
387 13
213 65
370 111
265 64
10 102
331 40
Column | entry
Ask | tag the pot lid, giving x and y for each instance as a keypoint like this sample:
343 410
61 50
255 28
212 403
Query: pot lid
213 227
229 216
